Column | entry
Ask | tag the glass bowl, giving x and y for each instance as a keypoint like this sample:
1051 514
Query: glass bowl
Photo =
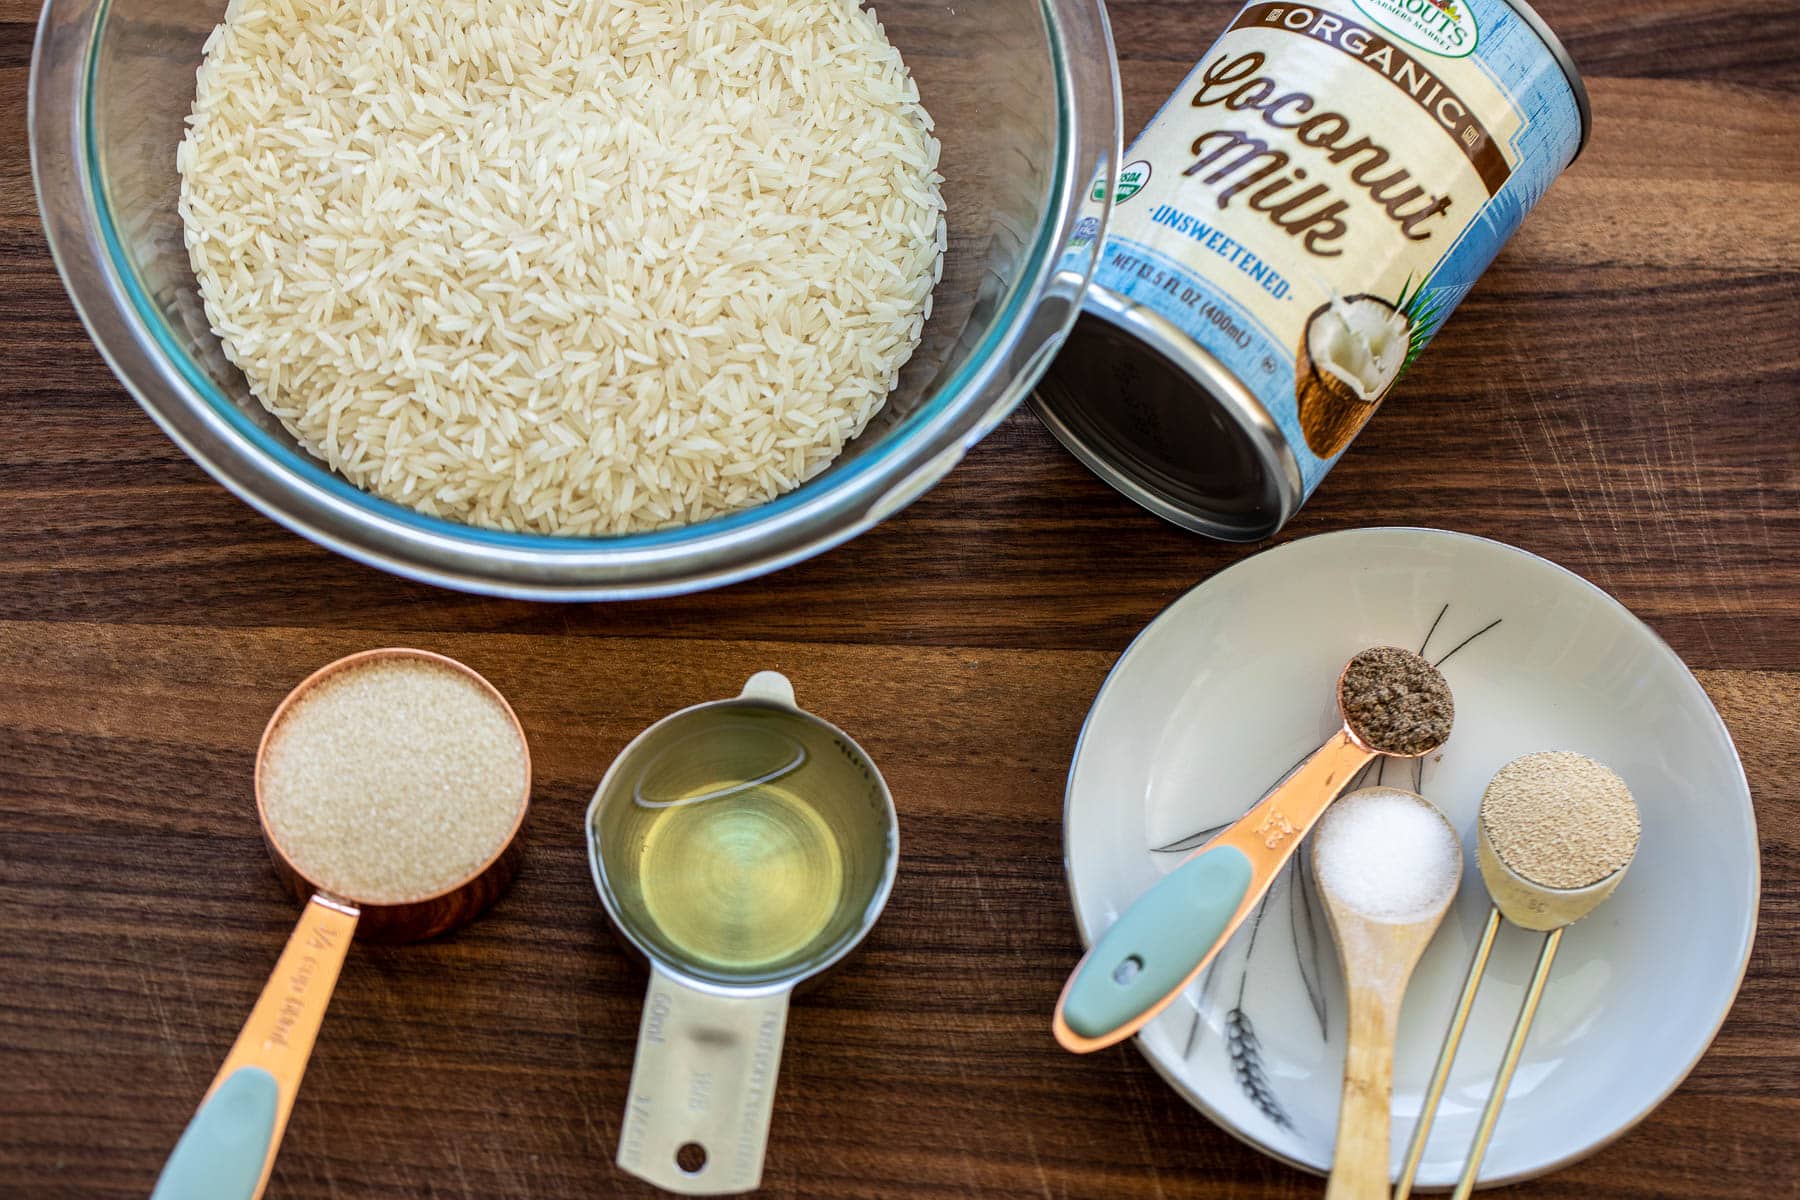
1024 94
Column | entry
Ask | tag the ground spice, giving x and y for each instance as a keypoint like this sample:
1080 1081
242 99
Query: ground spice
1396 702
1560 819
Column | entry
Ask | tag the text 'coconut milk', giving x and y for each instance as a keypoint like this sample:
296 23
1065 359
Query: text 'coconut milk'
1288 233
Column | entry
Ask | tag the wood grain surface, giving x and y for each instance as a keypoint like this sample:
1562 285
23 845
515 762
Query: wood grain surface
1621 394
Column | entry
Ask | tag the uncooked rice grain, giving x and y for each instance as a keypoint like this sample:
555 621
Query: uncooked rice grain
392 780
563 266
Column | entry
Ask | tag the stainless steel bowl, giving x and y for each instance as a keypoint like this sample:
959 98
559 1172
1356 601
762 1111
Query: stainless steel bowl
1025 98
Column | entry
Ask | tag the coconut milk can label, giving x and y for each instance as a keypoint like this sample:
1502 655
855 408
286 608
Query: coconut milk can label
1326 185
1440 26
1132 178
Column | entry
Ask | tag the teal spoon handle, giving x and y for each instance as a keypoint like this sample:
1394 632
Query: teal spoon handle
229 1147
1150 950
221 1155
1171 932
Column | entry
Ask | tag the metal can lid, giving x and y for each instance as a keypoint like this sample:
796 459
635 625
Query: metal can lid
1166 424
1561 54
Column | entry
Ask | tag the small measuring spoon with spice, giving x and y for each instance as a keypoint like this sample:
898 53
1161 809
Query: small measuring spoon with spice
1394 703
1557 831
1388 864
390 786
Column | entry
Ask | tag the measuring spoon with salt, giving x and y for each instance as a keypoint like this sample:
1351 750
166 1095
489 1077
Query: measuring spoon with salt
1393 703
1388 864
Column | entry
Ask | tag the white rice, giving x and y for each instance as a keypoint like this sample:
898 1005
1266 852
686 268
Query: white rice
563 266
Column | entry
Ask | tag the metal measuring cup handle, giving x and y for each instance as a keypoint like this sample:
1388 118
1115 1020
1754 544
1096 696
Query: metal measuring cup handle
703 1086
704 1075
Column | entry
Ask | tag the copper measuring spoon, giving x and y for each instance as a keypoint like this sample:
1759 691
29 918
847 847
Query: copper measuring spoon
229 1146
1174 930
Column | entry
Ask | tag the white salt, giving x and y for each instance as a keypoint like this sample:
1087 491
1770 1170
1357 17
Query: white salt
1387 854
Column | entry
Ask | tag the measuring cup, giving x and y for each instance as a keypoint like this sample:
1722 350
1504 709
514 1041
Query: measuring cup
741 848
229 1146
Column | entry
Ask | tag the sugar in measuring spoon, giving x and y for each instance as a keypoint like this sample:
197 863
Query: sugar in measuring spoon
1393 703
390 786
1557 831
1388 865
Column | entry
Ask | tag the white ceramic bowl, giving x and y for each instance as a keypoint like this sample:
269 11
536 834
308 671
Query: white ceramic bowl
1232 685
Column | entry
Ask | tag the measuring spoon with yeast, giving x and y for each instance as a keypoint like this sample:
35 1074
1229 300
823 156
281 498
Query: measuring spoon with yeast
390 786
1393 703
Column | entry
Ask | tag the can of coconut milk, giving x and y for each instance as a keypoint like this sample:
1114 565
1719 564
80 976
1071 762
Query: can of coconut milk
1288 233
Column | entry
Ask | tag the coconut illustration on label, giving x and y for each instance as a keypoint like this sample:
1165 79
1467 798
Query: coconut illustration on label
1353 351
1290 231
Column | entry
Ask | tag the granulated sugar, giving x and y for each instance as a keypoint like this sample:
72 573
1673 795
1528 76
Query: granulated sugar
1560 819
1387 854
393 780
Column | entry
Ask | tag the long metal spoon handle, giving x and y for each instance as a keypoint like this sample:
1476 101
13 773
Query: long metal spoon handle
1440 1074
1514 1049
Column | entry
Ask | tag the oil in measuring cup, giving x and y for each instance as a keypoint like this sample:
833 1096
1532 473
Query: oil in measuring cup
743 847
738 868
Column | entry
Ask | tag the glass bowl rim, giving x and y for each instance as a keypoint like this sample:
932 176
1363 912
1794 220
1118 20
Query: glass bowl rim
851 499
